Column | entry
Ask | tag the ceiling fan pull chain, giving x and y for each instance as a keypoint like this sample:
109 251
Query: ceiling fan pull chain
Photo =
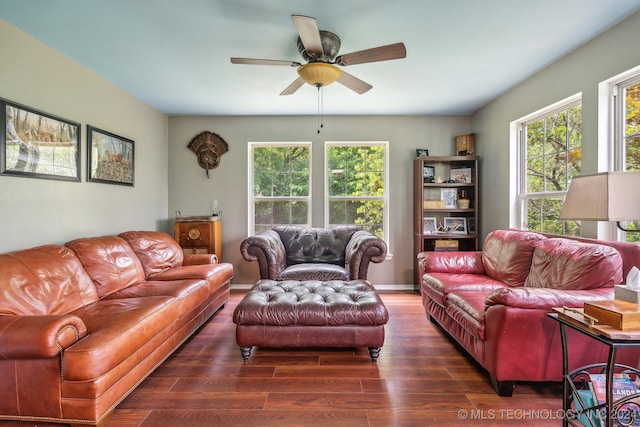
320 110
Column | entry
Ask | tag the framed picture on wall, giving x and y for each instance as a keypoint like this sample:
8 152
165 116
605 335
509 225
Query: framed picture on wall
110 158
36 144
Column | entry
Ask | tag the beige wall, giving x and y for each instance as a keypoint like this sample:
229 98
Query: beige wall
38 211
582 70
168 179
191 193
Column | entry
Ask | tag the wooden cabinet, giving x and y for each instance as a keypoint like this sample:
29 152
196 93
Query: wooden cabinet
446 204
199 235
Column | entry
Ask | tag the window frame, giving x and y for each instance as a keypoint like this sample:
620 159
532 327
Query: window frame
611 135
251 229
521 195
384 198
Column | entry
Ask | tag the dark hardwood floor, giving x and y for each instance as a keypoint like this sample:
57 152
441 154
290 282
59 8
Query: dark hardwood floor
420 379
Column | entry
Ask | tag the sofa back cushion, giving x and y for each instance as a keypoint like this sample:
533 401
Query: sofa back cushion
110 262
630 252
507 255
569 264
315 245
157 251
43 280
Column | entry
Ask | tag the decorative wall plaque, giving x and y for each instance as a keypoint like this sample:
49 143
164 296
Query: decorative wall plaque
208 147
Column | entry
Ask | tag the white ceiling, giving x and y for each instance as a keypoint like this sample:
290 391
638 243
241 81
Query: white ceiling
174 55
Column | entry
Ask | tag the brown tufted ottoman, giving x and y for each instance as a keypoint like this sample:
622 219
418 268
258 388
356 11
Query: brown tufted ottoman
311 313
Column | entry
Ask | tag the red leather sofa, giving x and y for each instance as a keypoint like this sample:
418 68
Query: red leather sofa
494 302
82 324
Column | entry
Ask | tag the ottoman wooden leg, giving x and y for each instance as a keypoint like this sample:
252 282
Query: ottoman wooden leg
245 352
374 352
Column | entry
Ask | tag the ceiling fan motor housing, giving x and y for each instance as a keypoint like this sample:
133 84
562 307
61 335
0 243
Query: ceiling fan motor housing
330 48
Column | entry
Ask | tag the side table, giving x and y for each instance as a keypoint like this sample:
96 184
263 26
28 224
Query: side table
614 339
199 234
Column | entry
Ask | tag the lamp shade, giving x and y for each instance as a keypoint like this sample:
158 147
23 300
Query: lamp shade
319 73
607 196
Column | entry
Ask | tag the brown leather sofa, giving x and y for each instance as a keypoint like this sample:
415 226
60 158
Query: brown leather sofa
82 324
298 253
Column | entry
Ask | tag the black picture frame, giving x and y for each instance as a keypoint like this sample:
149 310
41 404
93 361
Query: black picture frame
110 158
420 152
428 173
36 144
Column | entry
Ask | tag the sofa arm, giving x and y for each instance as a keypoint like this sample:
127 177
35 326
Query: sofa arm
450 262
546 299
267 249
363 248
200 259
45 336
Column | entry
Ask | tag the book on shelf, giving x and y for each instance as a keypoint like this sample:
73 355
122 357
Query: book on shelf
584 401
627 414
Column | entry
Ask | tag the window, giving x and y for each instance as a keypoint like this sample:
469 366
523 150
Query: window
626 128
356 185
280 185
550 155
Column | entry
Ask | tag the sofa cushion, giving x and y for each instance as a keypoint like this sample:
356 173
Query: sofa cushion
507 255
118 329
110 262
315 271
467 308
315 245
189 293
157 250
438 285
568 264
43 280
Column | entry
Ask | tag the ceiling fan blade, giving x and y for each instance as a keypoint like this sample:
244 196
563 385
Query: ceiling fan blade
251 61
309 33
376 54
297 84
353 83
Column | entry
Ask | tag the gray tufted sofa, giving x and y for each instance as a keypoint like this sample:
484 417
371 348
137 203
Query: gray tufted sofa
297 253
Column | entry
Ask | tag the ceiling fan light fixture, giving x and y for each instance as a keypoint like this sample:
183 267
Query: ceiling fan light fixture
319 73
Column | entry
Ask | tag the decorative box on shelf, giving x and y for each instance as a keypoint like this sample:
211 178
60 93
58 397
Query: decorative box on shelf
446 246
434 204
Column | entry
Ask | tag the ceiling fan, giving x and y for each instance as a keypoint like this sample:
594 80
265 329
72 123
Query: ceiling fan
320 51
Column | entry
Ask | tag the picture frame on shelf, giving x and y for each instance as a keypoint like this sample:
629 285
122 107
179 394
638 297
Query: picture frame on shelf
471 225
428 174
460 175
429 225
450 197
421 152
110 158
36 144
455 225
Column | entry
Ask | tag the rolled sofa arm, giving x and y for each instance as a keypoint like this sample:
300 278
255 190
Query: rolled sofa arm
200 259
267 249
363 247
38 336
545 298
450 262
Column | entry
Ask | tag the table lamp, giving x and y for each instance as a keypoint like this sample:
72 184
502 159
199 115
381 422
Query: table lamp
606 196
